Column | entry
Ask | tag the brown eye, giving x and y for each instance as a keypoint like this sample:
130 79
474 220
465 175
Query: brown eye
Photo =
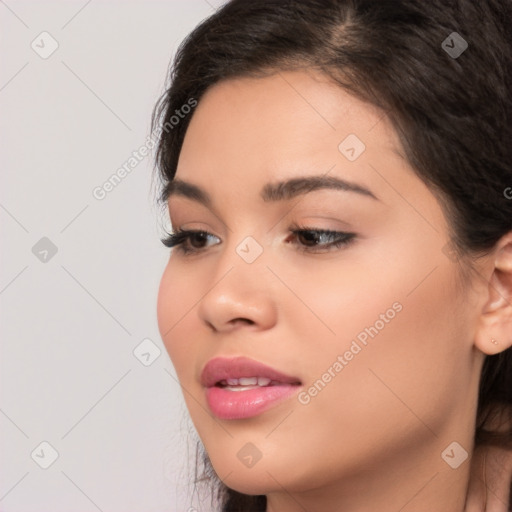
181 237
199 237
323 239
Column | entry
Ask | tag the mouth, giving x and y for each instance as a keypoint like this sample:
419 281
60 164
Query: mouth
238 388
242 372
245 383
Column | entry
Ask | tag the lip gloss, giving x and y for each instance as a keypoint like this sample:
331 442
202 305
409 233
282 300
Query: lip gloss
227 404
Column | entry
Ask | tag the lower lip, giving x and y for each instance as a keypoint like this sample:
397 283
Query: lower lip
234 405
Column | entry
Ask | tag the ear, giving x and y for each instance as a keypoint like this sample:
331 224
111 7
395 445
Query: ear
495 321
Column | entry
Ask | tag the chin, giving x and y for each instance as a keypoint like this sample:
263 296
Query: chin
252 484
264 477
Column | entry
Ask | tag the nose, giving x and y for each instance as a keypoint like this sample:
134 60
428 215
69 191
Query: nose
240 295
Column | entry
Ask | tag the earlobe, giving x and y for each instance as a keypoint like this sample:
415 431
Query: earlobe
491 346
494 333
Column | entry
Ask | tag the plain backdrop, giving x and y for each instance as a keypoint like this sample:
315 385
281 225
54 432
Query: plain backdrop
91 416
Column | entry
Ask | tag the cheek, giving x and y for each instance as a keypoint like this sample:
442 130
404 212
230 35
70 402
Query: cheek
397 392
401 334
174 309
415 355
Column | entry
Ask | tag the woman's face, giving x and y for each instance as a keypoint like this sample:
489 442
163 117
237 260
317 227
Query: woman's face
374 330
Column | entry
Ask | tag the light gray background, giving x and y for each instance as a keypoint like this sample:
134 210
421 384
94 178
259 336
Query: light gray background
70 325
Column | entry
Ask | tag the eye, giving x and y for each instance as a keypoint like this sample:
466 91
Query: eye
321 240
309 239
179 238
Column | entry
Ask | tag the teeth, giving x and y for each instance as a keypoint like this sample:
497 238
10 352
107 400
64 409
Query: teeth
248 381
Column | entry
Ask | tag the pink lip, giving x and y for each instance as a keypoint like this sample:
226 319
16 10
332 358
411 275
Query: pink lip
222 368
228 404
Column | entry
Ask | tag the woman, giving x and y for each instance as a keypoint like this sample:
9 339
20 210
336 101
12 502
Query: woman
337 304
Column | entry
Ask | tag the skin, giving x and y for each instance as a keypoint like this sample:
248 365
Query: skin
372 439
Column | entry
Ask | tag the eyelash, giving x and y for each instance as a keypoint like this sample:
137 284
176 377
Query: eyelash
341 239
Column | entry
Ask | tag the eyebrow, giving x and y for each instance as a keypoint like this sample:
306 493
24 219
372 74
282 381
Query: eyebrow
280 191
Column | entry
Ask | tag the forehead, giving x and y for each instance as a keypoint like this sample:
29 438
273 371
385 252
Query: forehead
292 115
247 132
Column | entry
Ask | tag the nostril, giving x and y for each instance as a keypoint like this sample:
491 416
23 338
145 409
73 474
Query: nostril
242 320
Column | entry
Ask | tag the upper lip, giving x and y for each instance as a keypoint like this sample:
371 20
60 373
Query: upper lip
223 368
